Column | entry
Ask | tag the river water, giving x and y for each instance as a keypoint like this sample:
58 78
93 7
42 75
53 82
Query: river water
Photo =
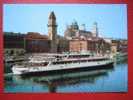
104 80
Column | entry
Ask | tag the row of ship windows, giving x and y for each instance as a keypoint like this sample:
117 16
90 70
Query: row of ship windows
66 62
77 61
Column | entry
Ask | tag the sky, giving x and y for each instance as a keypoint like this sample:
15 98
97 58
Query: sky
23 18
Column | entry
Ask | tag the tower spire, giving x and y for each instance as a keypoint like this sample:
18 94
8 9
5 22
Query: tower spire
52 31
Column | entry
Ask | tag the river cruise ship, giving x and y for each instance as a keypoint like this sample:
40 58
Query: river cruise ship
60 62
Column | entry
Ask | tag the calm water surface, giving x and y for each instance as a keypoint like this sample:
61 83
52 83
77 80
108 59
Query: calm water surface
104 80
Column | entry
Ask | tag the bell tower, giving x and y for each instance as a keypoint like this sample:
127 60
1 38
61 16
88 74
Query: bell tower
95 29
52 32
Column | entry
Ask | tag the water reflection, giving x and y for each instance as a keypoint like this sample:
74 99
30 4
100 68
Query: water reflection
52 82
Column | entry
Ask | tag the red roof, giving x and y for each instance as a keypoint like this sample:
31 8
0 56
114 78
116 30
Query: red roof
35 35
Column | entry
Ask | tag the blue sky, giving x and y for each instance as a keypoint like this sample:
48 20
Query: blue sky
111 18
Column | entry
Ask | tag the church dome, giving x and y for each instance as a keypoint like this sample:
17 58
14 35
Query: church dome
75 25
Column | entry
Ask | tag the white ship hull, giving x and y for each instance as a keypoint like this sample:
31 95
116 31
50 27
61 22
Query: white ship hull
59 67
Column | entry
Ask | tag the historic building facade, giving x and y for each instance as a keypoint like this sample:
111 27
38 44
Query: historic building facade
63 44
92 45
119 45
87 41
13 43
73 30
36 43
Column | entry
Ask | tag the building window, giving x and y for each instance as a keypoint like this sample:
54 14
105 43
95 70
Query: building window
12 52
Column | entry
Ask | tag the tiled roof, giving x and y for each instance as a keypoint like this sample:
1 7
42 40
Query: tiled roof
35 35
